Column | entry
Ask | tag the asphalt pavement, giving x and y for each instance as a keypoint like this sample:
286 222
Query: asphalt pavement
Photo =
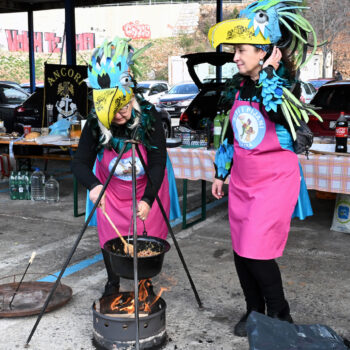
315 270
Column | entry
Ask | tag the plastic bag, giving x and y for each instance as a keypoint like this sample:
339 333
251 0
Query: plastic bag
341 216
61 127
266 333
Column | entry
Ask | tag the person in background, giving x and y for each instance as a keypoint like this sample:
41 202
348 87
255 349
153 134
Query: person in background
266 185
120 114
337 75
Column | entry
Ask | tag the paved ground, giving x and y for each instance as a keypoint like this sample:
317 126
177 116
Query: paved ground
315 268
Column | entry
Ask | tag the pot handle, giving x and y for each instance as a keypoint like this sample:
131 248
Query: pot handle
144 233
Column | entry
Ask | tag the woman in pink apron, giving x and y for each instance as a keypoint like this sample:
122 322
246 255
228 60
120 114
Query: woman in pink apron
265 178
119 108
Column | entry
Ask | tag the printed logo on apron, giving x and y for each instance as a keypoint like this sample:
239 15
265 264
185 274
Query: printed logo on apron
249 126
124 169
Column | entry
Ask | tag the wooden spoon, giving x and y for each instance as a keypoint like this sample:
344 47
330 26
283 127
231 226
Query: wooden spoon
128 248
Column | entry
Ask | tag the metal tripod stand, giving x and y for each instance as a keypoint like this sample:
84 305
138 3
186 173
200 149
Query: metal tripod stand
135 148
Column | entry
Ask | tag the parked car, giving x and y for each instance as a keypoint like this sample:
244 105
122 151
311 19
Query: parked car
26 86
178 98
203 108
30 112
332 98
317 83
307 92
152 90
9 82
10 97
166 120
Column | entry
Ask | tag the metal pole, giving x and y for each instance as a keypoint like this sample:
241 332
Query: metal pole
170 230
31 51
219 48
136 279
75 246
69 24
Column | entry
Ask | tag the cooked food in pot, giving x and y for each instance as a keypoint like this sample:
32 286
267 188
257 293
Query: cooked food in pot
145 252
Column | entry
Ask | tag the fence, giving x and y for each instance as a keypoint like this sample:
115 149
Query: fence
167 2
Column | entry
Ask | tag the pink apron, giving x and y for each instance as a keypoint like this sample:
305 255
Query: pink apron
264 185
119 198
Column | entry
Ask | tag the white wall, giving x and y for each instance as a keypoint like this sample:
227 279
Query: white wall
313 69
137 22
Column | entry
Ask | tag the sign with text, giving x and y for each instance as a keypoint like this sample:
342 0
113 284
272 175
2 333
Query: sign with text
65 90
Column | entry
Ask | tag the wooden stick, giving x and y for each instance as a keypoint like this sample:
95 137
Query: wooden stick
128 248
20 282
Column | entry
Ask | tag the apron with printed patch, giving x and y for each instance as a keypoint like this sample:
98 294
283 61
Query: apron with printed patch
118 200
264 185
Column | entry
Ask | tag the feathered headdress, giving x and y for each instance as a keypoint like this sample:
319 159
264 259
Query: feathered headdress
279 23
111 73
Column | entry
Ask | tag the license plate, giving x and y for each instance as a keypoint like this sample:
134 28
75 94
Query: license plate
332 124
171 109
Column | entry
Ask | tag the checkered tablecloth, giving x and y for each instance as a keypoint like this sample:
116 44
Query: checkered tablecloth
322 172
192 163
326 173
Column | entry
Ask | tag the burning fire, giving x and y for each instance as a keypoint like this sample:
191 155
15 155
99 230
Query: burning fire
146 299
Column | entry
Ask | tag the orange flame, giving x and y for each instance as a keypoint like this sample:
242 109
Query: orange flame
146 301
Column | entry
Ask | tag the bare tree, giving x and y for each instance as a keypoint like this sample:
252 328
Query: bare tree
330 19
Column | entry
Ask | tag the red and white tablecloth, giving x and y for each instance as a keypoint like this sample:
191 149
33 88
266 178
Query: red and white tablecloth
328 173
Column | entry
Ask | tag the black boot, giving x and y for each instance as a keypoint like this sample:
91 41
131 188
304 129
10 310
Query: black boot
111 287
240 328
277 305
113 283
283 315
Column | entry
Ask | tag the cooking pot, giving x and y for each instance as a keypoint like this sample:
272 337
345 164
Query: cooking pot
148 266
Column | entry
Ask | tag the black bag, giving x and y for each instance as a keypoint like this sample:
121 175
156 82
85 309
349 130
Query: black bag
267 333
304 138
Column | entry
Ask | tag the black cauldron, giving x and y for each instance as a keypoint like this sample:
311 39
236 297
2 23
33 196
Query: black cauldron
149 266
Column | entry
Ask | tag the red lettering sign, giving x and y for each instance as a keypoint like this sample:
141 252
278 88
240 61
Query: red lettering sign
12 40
137 30
20 42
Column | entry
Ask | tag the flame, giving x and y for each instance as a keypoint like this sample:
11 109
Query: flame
146 301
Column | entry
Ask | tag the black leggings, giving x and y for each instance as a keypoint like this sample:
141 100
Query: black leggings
262 284
112 277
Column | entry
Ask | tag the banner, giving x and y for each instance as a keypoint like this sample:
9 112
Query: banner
65 92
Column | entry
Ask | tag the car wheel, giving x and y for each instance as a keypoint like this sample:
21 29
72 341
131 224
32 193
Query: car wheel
166 129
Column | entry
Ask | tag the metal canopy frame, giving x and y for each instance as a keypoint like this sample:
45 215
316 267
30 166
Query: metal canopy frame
29 6
9 6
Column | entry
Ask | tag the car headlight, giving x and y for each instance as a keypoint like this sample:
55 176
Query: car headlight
184 103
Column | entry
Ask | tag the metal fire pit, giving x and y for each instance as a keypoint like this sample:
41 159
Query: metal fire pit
112 331
31 297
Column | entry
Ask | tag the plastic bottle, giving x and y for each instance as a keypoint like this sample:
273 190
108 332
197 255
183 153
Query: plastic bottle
2 127
27 184
37 190
217 130
341 134
52 190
